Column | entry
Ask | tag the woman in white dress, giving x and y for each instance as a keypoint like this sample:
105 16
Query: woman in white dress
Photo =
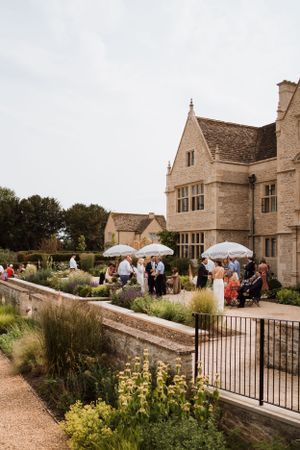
218 285
140 274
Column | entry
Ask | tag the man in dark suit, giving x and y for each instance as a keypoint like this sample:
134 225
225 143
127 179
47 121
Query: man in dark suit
252 290
150 270
202 274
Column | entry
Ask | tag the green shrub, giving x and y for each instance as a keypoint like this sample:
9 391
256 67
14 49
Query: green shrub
83 290
6 321
142 304
146 400
14 332
182 264
38 277
72 335
8 309
274 286
87 261
29 353
174 434
7 257
125 296
203 301
89 426
100 291
75 279
288 297
175 312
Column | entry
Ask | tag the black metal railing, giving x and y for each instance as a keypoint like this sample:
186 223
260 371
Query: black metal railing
256 358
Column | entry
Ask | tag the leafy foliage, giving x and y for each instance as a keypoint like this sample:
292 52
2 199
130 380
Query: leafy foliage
74 279
203 301
169 238
37 276
87 261
39 218
88 221
124 297
145 402
176 312
142 304
28 353
72 335
288 297
81 245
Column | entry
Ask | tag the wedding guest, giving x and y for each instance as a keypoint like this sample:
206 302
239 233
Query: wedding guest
218 285
202 274
125 269
140 274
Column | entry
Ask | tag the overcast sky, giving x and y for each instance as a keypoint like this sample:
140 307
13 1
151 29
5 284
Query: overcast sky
94 94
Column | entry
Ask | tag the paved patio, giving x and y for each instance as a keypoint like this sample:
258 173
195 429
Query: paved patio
265 310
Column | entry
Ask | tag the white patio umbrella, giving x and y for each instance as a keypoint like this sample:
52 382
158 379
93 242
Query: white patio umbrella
119 250
227 249
154 250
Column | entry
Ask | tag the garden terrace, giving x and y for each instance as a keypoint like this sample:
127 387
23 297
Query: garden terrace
128 332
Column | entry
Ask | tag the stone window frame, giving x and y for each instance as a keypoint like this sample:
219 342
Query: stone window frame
296 162
189 201
183 199
190 158
190 244
153 237
270 247
269 198
197 199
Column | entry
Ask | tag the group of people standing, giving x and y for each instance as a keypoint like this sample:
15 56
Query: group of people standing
150 276
6 271
255 279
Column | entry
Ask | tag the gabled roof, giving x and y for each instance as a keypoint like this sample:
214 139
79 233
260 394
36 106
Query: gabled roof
136 222
239 143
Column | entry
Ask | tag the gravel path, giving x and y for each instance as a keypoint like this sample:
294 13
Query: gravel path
24 422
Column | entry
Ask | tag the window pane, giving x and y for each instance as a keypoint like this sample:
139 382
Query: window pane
273 250
267 247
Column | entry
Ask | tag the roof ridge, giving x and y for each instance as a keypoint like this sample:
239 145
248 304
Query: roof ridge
228 123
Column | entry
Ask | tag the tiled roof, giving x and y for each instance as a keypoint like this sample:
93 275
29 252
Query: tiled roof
240 143
135 222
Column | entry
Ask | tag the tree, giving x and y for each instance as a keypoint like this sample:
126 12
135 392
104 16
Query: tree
8 218
81 246
39 218
88 221
169 238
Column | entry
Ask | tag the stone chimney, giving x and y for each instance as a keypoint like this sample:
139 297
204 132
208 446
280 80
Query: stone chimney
151 215
286 91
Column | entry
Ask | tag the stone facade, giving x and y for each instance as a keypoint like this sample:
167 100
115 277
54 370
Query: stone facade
210 197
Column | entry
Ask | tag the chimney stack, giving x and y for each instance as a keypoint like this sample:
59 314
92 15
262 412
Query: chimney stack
151 215
286 91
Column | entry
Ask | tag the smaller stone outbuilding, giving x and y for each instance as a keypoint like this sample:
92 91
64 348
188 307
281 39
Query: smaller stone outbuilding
136 230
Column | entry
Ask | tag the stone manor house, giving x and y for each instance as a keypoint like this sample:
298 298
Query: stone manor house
240 183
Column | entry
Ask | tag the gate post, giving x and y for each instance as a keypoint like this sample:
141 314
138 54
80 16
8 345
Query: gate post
196 345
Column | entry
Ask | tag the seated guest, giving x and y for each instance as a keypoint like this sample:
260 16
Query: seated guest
250 289
110 273
249 269
231 289
173 281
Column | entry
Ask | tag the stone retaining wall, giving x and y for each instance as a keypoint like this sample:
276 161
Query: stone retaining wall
128 333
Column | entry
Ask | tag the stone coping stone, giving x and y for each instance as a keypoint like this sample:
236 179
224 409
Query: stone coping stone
160 327
47 290
18 288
